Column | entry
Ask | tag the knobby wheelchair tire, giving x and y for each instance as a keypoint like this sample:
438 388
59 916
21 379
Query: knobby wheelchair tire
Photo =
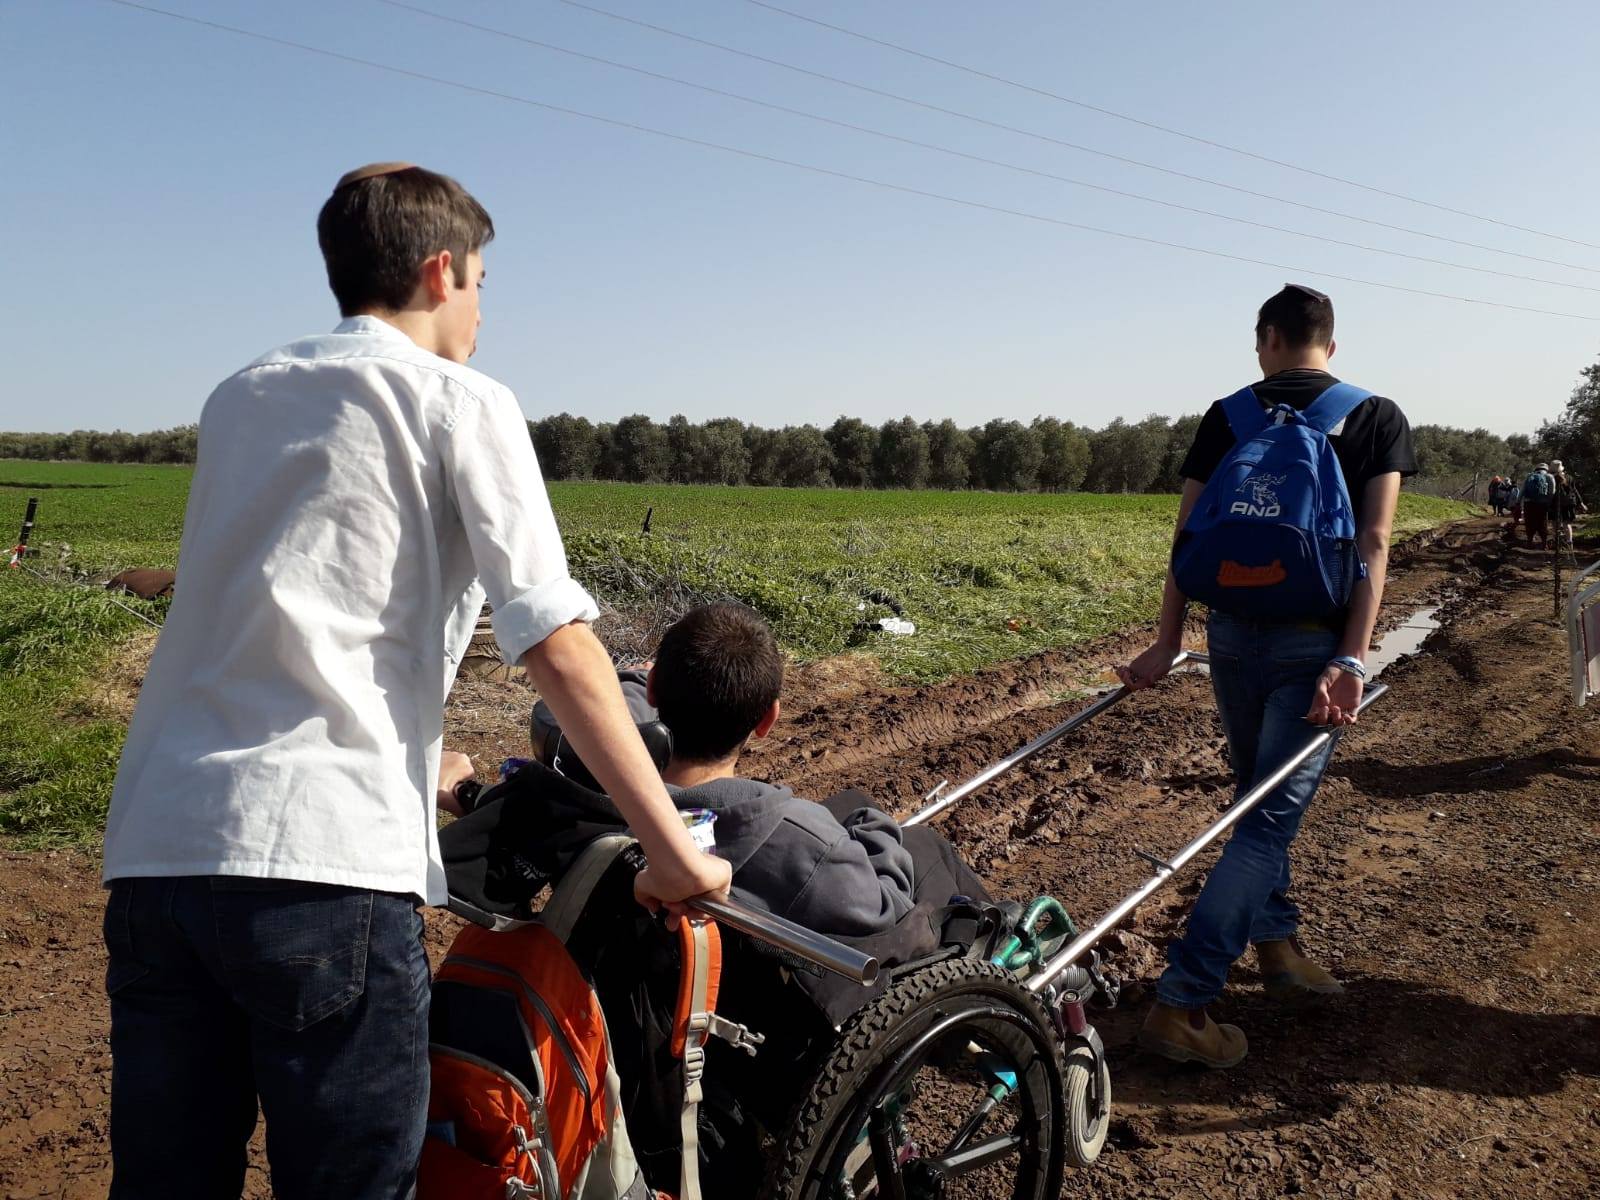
898 1034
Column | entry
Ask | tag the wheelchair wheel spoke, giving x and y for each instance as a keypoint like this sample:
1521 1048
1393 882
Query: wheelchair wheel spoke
975 1158
970 1127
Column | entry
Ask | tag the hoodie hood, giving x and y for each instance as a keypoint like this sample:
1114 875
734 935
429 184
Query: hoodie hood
748 813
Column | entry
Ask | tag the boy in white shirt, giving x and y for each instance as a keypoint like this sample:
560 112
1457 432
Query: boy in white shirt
272 827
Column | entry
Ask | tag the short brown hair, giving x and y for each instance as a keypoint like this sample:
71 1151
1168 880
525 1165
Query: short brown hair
1302 316
717 672
381 223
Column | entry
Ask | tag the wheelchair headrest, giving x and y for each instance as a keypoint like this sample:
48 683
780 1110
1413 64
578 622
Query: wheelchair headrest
524 834
551 747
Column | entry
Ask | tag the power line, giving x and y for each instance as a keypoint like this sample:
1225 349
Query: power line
1167 129
1055 141
826 171
977 158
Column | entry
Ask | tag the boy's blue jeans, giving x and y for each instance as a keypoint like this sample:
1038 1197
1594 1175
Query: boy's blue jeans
311 997
1264 675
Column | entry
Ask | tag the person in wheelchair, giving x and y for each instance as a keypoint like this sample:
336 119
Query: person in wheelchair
841 867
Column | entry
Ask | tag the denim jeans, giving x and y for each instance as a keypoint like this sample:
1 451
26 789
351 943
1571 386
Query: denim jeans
1264 675
311 997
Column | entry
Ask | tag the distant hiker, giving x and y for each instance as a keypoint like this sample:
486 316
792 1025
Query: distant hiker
1566 503
1288 636
272 828
1538 490
1500 488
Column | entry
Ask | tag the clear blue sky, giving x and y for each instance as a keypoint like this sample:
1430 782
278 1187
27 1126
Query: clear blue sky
161 181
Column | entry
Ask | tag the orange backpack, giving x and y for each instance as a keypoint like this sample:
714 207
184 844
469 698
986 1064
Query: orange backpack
525 1101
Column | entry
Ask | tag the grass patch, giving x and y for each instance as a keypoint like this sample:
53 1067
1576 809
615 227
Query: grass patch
57 757
986 578
112 515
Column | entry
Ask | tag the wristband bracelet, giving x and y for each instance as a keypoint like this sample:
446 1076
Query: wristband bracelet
1350 665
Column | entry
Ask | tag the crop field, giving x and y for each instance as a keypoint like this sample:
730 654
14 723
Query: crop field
985 578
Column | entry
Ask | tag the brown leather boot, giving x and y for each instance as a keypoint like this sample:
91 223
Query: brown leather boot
1288 975
1189 1035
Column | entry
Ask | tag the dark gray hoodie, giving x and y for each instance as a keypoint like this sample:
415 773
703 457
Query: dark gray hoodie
795 858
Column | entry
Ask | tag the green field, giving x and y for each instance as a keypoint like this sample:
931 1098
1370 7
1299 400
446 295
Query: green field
985 577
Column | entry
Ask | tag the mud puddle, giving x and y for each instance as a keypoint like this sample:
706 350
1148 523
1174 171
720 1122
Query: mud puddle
1404 639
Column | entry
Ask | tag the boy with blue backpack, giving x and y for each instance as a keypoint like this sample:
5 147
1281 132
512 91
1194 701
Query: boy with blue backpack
1283 532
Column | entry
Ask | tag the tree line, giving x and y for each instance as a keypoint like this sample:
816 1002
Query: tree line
1045 454
1003 455
176 445
1574 436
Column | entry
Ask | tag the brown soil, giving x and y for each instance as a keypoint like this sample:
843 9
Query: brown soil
1447 873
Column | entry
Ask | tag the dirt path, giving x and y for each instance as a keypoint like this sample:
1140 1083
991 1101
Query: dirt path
1448 872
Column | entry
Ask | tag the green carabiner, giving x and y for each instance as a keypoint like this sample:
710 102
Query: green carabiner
1024 947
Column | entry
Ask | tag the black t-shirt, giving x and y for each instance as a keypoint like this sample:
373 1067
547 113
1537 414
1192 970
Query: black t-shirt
1374 440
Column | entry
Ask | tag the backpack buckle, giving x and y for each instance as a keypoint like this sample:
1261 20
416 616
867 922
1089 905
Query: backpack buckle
740 1037
517 1189
694 1063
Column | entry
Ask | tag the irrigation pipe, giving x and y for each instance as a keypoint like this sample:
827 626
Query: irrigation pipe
20 551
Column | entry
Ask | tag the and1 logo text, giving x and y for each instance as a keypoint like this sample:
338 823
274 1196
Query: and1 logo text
1263 500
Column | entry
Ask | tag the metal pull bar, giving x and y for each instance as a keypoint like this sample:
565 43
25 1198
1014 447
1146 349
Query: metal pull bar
943 800
1080 945
796 939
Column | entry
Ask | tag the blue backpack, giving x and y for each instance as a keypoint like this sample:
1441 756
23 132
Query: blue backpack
1273 533
1539 486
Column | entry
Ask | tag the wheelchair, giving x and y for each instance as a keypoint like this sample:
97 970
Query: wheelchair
939 1073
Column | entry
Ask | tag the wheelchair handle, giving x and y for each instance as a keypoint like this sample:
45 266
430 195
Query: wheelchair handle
795 939
1166 869
941 800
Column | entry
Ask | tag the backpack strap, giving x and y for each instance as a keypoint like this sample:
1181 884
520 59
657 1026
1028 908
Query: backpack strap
700 945
1334 405
695 1020
1245 415
571 893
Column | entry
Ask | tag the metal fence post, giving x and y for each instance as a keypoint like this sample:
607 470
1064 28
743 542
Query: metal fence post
21 548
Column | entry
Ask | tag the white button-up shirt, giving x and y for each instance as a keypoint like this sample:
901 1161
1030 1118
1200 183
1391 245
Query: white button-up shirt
350 492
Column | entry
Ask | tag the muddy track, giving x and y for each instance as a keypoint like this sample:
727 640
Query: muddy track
898 743
1448 873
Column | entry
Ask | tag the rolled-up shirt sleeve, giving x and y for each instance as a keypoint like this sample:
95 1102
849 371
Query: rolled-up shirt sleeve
499 491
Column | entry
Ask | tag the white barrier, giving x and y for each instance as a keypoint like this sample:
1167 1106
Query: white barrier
1583 633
